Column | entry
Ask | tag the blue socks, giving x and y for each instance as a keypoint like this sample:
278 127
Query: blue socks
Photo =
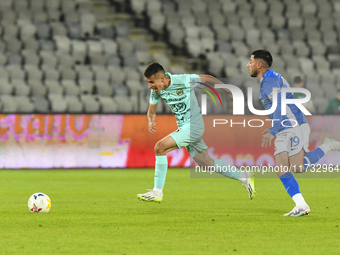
290 183
312 157
160 171
292 187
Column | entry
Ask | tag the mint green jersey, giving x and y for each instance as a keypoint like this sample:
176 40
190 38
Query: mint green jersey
180 97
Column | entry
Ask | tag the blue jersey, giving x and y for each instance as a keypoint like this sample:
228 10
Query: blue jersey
294 117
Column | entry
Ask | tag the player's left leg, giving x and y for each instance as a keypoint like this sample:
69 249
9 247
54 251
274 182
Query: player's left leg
162 147
289 152
291 185
203 159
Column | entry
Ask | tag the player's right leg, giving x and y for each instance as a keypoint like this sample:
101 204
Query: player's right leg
302 161
202 158
162 147
315 155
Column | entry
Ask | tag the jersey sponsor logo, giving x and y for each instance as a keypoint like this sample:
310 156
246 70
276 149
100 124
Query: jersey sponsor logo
178 108
179 92
176 99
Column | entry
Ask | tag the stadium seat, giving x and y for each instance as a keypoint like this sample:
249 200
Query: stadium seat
54 87
47 45
84 72
134 86
58 103
37 5
74 30
109 47
16 73
74 104
33 72
30 57
41 105
124 104
24 104
50 73
121 90
67 74
70 87
14 58
105 30
6 88
108 105
321 104
58 28
86 86
88 21
21 88
9 104
122 29
91 105
103 88
117 74
37 88
101 73
138 6
48 58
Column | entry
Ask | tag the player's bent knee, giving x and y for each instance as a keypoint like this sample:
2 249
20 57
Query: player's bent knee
160 148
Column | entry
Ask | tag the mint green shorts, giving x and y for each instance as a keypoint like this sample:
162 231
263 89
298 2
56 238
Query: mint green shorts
190 138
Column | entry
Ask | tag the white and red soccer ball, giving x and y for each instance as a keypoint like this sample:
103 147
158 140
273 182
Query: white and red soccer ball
39 202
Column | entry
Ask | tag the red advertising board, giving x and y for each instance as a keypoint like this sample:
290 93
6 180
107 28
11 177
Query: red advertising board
120 141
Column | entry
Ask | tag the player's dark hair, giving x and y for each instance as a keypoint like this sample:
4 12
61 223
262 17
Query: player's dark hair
263 55
297 79
152 69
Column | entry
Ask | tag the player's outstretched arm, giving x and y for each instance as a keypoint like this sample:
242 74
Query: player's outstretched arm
205 78
151 115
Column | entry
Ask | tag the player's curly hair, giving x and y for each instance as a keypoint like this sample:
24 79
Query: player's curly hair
152 69
263 55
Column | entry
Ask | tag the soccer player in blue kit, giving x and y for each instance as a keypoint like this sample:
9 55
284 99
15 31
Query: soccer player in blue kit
291 143
178 92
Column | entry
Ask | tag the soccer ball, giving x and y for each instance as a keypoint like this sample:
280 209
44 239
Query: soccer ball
39 202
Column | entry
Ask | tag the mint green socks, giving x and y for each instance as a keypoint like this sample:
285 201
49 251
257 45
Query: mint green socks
160 171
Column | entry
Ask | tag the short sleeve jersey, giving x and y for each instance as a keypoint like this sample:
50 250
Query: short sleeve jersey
274 81
180 96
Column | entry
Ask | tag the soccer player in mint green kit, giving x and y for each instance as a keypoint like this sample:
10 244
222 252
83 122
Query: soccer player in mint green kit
178 93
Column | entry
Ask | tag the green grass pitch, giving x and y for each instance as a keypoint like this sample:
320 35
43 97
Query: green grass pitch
97 212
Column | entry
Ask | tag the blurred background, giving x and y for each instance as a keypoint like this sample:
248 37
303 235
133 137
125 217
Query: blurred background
88 56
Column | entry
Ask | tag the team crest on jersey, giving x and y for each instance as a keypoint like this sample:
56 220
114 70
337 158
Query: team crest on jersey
179 92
